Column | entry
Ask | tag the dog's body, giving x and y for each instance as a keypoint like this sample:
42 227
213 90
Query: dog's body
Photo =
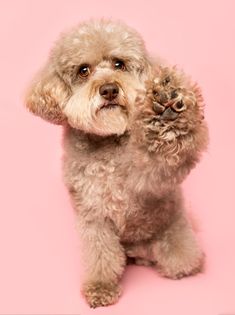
127 148
99 179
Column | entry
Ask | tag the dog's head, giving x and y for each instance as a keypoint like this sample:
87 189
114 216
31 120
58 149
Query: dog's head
91 78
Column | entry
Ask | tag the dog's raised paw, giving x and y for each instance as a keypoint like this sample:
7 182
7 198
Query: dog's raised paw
169 96
101 293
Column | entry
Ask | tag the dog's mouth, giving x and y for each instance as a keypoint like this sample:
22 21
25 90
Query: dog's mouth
111 106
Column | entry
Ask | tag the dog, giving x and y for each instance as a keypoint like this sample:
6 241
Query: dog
132 131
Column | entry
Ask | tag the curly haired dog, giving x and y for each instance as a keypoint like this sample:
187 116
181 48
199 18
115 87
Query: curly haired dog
132 133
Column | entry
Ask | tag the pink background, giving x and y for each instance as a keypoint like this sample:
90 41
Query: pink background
40 267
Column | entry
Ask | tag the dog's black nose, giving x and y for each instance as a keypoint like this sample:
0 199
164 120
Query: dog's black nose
109 91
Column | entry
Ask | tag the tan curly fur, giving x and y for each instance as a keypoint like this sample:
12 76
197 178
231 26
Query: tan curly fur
125 155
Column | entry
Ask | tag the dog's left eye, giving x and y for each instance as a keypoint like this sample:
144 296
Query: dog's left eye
119 65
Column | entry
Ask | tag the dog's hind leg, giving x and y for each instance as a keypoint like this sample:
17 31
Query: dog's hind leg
175 253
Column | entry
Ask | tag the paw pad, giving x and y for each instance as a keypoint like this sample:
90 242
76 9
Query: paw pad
169 98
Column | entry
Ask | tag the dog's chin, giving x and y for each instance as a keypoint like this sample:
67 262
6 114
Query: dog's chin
107 121
111 119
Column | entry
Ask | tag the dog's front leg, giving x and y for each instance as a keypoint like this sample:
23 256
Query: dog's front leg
104 261
168 131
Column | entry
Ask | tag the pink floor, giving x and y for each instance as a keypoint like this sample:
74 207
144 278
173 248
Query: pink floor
40 268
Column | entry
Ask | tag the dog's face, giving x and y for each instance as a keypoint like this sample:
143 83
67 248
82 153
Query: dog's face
92 78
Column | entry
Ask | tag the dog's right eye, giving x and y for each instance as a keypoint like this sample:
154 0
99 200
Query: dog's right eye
119 65
84 71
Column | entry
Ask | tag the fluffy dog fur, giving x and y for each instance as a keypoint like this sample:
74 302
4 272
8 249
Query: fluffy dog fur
125 155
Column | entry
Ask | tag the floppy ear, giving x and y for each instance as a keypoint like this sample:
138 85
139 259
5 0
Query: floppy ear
47 96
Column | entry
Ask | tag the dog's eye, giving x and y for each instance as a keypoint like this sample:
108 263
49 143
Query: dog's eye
119 65
84 71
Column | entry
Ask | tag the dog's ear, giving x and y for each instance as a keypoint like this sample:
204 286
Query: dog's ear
47 95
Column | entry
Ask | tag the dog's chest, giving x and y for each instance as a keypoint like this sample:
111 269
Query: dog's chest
143 223
97 180
97 187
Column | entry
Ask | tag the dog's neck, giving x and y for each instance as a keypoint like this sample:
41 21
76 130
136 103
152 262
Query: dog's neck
95 140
